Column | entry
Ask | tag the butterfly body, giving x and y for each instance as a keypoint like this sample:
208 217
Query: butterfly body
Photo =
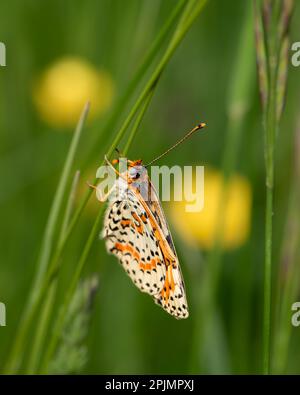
136 232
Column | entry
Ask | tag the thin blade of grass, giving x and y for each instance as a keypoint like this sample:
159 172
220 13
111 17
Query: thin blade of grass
138 121
73 285
148 59
288 279
261 56
44 319
275 16
70 206
47 244
202 359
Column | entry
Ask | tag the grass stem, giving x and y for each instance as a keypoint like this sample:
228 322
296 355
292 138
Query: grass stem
44 319
14 360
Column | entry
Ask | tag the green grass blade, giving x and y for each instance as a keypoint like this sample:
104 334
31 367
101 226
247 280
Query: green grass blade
73 285
138 121
202 358
274 20
44 319
47 245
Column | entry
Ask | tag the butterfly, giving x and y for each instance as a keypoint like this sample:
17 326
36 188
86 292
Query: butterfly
137 233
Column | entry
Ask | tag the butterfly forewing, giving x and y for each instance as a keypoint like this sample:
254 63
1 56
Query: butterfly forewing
130 237
136 232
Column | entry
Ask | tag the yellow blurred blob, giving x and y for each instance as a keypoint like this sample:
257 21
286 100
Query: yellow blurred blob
62 91
200 228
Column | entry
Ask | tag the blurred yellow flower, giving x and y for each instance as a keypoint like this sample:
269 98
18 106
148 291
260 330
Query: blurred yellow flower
63 89
200 228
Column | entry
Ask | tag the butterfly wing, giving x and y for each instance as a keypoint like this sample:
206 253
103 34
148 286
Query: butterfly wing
129 236
172 297
137 233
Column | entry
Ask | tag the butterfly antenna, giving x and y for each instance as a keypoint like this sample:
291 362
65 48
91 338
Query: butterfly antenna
189 134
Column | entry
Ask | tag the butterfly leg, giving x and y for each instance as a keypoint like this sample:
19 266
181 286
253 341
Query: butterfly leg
103 198
100 196
91 185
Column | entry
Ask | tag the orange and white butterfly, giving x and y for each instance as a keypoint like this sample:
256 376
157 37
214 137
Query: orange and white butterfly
137 233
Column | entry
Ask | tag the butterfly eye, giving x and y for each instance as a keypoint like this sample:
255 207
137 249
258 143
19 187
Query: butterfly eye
134 174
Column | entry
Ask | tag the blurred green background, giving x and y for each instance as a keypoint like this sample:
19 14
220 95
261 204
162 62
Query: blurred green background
127 333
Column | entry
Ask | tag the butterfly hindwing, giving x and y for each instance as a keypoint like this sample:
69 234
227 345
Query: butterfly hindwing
172 297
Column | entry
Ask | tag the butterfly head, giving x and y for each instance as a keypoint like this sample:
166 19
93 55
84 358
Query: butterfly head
136 170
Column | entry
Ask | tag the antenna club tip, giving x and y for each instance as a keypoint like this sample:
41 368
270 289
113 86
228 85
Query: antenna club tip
201 125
